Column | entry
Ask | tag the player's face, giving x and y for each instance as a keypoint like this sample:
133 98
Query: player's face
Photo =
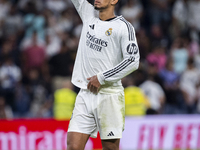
102 4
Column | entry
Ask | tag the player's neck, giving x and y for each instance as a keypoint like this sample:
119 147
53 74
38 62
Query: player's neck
106 14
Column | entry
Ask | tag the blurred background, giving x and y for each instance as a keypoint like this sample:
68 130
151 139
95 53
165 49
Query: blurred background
38 45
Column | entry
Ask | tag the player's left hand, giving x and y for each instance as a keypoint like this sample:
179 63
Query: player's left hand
93 84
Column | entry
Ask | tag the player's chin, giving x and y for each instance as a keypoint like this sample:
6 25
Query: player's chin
97 8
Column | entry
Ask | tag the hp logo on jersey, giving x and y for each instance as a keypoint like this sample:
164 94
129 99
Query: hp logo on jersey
132 49
109 32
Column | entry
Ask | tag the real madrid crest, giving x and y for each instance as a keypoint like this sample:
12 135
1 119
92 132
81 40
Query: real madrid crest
109 32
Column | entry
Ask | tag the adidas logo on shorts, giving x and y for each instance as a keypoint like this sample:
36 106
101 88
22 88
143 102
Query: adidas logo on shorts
110 134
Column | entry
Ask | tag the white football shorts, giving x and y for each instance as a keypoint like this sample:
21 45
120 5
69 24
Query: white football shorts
103 112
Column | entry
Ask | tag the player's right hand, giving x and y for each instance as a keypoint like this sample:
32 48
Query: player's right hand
93 84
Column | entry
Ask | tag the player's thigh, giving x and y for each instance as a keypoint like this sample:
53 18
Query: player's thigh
111 113
76 140
111 144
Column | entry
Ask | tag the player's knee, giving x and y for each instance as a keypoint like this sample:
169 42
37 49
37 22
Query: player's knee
111 147
72 146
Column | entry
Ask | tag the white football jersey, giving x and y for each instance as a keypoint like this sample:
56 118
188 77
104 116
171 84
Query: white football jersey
107 49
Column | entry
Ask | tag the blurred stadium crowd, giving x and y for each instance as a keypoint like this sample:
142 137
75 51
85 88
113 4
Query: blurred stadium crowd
38 44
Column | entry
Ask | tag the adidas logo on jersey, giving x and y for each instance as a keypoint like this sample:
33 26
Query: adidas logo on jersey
91 26
110 134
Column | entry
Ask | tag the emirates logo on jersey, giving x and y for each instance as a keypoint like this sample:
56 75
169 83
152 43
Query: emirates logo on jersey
95 43
109 32
95 40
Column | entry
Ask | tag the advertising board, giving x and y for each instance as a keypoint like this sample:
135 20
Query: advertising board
141 133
